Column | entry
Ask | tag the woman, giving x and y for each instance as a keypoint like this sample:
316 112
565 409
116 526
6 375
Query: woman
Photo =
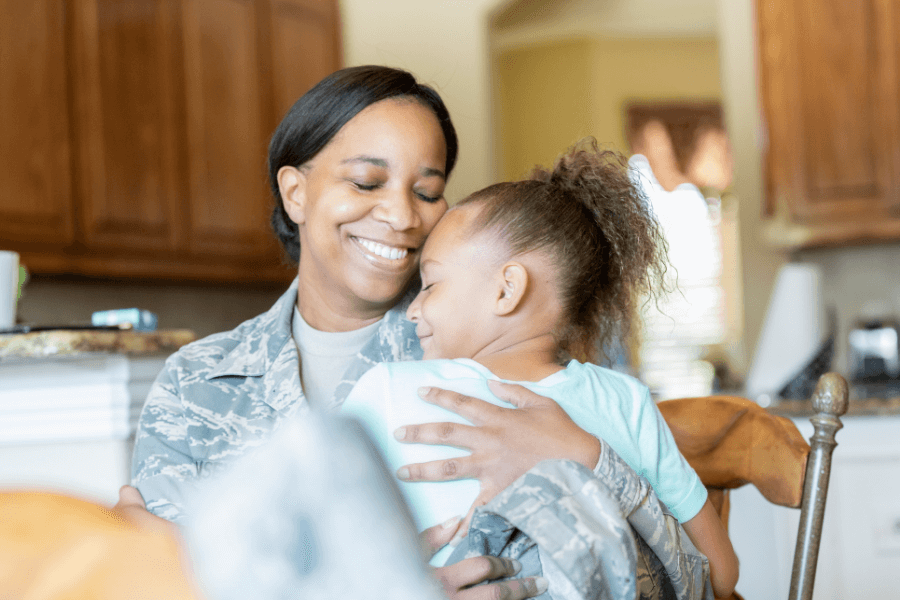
358 168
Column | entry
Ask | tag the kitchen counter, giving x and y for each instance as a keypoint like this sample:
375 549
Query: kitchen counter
61 342
871 407
69 406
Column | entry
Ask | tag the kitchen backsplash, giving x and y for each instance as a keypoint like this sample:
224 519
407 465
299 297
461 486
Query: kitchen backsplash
204 309
860 283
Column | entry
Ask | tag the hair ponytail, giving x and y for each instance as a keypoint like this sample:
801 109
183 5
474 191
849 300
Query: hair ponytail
598 228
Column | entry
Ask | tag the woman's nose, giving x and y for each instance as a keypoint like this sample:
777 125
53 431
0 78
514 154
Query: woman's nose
399 210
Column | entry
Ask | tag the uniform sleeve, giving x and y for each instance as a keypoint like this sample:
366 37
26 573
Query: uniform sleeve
163 467
673 479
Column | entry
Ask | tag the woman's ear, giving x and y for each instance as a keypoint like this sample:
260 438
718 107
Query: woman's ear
513 284
292 187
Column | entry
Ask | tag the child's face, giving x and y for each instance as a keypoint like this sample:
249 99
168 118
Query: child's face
454 310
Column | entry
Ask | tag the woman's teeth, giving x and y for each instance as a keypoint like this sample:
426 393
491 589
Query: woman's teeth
389 252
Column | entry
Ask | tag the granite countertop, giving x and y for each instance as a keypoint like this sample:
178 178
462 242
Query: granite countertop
869 407
60 342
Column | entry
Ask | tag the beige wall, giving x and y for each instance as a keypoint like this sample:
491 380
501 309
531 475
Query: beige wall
445 44
552 94
544 101
760 263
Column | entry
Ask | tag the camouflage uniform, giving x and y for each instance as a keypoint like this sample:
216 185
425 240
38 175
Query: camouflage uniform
225 394
220 396
601 535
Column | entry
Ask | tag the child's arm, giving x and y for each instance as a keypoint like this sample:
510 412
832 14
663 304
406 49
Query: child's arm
709 536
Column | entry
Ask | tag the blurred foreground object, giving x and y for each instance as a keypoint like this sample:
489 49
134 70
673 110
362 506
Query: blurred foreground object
54 547
313 513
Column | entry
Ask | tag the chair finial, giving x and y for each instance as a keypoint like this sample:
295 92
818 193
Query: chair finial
831 395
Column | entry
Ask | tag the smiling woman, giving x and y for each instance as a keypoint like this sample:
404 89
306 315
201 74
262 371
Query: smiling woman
357 168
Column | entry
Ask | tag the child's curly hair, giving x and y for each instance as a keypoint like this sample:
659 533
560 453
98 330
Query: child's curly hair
597 226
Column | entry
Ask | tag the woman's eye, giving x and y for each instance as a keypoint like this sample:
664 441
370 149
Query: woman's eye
425 288
429 199
365 186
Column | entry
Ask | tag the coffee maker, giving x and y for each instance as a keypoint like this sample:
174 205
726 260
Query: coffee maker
875 359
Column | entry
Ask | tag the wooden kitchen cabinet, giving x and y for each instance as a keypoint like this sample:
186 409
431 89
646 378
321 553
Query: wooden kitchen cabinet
35 192
124 54
152 120
831 99
223 66
301 28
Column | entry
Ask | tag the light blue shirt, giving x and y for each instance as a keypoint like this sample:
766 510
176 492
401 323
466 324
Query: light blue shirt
610 405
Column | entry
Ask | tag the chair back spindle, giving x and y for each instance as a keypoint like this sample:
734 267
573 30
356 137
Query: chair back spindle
830 403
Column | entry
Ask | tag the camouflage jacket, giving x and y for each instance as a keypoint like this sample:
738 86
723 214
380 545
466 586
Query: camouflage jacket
220 396
593 536
349 535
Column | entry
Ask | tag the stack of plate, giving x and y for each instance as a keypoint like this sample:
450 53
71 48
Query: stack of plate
64 399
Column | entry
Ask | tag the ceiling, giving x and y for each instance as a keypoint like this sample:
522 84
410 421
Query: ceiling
523 21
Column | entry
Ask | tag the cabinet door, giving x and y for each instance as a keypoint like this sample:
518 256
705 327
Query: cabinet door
126 123
305 44
230 201
829 90
35 179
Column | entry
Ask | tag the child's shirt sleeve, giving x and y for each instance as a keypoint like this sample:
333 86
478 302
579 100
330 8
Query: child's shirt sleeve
674 480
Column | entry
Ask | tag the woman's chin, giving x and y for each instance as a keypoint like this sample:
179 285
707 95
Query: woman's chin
383 295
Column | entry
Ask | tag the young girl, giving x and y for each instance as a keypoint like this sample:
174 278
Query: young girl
517 279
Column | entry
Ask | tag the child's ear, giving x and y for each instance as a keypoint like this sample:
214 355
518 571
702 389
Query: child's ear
292 186
513 284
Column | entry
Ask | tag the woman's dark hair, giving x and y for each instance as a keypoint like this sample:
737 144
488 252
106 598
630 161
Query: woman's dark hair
322 111
597 227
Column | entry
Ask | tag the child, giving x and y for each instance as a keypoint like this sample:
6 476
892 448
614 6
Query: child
515 279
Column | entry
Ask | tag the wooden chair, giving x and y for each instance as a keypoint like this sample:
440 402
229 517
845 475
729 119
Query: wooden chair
731 441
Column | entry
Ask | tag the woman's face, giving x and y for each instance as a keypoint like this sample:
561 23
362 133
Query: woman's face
365 204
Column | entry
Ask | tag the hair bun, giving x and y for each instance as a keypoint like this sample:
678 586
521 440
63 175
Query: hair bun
598 227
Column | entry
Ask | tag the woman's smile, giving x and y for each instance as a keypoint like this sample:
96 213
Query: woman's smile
380 250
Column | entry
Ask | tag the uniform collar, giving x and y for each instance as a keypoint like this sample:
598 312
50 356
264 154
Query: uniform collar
263 341
267 350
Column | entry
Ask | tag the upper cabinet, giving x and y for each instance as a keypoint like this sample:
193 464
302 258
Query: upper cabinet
831 99
223 67
35 179
135 131
126 130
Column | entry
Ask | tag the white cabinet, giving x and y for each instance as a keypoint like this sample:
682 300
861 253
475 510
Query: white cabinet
67 423
859 556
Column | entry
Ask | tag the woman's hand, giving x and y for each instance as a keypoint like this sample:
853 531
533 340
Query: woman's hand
457 579
504 442
131 506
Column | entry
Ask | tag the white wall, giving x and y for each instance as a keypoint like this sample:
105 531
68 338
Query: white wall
445 44
740 93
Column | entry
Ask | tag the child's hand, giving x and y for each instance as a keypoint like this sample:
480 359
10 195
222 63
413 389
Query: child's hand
504 443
